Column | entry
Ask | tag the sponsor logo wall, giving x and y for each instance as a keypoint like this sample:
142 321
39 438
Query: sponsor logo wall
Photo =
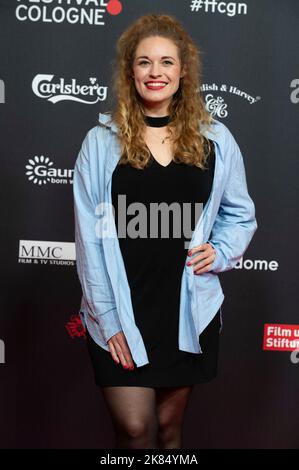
55 77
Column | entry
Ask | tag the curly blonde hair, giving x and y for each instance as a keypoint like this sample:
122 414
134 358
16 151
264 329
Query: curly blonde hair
187 109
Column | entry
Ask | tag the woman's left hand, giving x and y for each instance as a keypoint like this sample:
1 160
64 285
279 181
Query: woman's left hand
203 261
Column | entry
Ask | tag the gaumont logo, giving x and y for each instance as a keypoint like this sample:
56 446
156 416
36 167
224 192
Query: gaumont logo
216 103
47 252
90 12
50 88
40 171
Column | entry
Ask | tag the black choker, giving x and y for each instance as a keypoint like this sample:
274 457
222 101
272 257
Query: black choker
156 121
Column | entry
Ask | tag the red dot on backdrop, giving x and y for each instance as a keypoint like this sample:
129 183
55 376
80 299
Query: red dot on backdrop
114 7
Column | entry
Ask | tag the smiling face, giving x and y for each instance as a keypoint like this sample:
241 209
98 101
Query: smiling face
157 72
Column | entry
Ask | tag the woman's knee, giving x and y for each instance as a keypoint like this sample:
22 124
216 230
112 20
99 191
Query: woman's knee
169 430
139 428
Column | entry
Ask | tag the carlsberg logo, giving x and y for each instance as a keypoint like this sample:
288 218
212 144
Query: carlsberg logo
46 87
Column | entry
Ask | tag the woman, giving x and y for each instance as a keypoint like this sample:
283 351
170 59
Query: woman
153 319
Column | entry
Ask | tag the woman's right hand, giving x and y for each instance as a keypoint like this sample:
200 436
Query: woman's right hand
120 350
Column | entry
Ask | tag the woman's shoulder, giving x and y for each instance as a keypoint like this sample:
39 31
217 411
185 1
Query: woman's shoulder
99 132
94 146
217 131
223 136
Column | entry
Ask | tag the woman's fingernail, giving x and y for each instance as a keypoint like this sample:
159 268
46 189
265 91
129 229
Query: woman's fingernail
188 264
189 253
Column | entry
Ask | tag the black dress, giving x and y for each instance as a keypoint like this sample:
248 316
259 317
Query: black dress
154 268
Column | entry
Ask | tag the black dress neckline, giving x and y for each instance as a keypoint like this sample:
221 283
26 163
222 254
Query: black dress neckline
156 121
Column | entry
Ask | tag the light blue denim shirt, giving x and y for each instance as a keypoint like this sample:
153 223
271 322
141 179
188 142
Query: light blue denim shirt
227 222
